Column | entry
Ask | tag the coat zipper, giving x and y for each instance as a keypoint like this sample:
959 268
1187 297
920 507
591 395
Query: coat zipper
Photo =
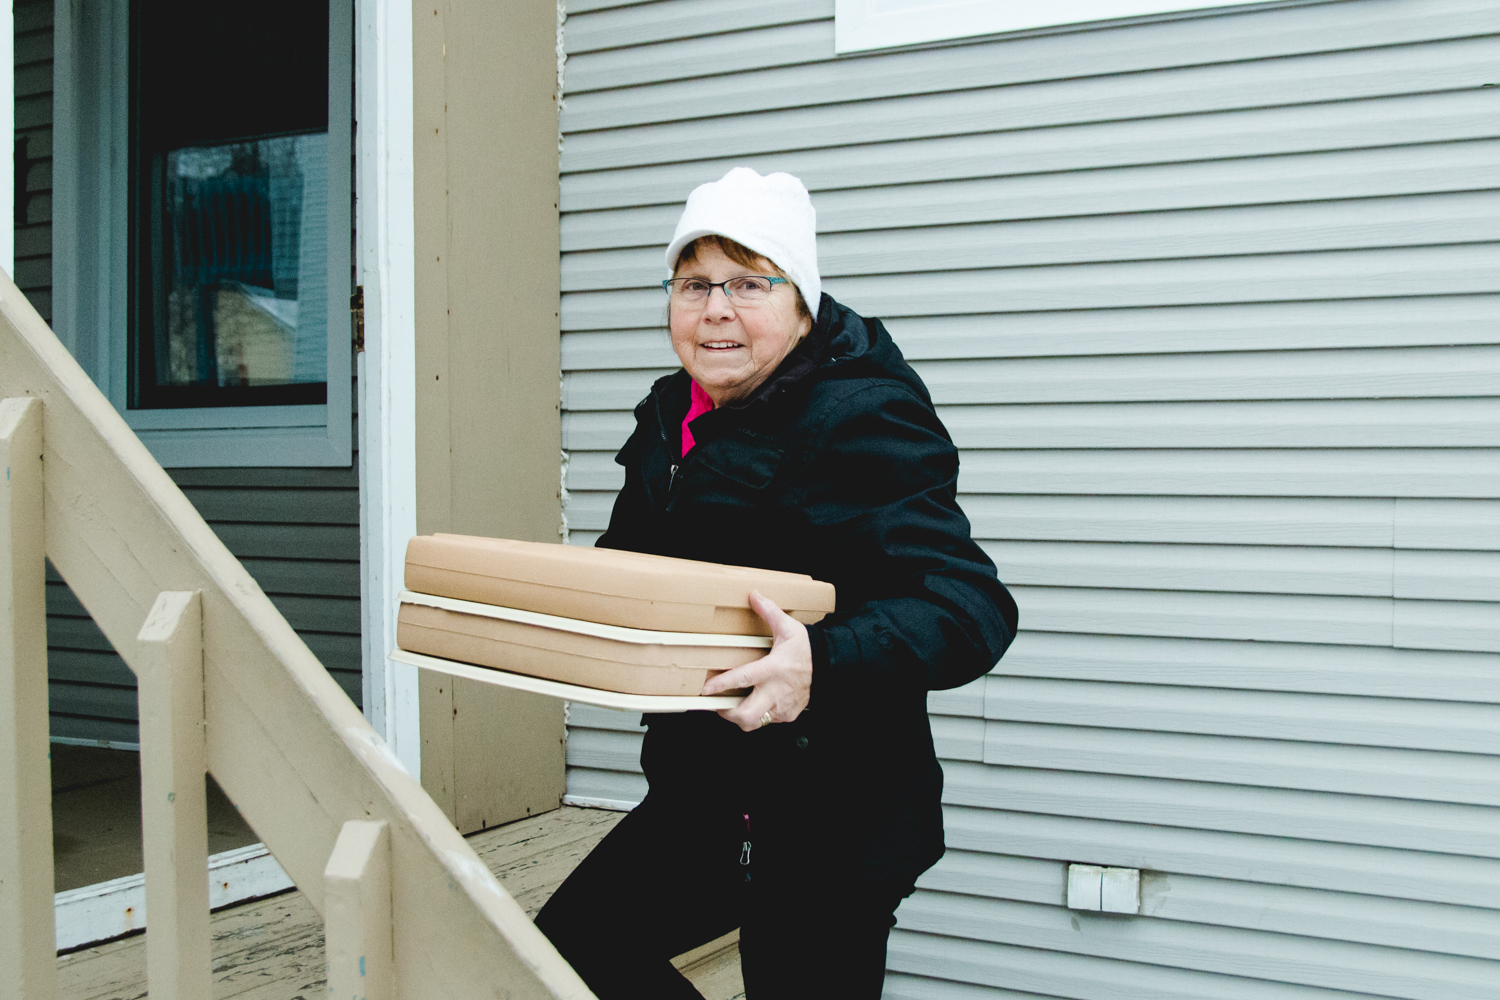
745 850
661 428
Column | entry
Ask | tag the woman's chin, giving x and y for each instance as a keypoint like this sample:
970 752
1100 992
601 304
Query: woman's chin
718 377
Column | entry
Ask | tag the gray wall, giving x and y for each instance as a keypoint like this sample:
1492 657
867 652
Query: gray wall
1211 306
296 530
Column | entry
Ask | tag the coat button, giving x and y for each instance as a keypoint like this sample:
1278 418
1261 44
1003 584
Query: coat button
802 743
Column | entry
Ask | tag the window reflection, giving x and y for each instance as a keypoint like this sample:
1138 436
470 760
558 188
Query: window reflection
244 250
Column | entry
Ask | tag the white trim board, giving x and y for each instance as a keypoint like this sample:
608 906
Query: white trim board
863 25
385 225
95 913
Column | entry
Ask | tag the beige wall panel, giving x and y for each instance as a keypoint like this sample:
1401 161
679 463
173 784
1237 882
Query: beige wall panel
488 425
526 731
430 152
437 741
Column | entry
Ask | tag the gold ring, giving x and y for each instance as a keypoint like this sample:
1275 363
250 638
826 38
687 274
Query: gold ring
766 720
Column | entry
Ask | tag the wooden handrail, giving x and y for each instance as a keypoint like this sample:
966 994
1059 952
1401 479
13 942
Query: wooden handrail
285 743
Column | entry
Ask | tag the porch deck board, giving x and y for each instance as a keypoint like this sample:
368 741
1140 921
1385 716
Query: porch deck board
273 949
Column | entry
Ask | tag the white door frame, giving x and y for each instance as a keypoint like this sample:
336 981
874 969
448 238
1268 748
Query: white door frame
385 255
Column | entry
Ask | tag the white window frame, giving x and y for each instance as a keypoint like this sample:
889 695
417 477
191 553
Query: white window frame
865 25
91 140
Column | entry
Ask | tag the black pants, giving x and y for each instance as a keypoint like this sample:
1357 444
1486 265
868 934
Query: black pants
666 880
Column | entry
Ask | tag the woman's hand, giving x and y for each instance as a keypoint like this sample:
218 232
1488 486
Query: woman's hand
782 679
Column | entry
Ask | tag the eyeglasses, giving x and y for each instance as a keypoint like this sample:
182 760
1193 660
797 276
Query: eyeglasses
746 290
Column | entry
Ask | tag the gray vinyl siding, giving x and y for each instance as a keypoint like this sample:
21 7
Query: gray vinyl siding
296 530
1211 306
33 147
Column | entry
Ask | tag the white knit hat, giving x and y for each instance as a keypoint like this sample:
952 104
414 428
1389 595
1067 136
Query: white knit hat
771 215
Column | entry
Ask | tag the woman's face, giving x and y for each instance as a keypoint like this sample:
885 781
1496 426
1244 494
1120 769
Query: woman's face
727 347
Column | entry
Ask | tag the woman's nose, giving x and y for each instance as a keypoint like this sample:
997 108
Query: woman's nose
718 305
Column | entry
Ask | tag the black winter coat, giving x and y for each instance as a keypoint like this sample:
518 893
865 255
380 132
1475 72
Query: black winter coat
837 467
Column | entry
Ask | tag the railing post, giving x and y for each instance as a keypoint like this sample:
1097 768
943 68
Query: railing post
28 933
174 809
357 913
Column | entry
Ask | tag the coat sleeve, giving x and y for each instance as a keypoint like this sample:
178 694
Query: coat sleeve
919 603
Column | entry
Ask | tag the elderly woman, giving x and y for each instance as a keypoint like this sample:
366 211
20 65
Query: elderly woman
795 438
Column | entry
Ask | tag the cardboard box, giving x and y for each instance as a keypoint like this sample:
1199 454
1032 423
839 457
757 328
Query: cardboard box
606 585
599 618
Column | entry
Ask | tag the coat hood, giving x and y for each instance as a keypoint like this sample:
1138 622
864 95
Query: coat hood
842 344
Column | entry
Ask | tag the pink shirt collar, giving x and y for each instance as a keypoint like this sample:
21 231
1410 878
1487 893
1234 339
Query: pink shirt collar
699 404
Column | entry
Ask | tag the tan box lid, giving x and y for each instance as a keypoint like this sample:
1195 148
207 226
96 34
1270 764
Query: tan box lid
629 589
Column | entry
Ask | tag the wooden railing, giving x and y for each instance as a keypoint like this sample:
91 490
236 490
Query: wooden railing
226 687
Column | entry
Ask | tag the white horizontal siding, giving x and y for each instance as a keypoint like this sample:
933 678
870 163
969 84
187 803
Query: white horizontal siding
904 248
1185 849
660 132
1246 132
1334 274
1273 959
1211 307
1324 766
700 28
1263 326
1269 182
1461 930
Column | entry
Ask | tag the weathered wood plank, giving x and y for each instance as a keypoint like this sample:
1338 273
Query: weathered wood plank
270 950
274 949
531 857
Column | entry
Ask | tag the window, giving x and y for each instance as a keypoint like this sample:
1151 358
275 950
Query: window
230 180
202 234
230 290
861 25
